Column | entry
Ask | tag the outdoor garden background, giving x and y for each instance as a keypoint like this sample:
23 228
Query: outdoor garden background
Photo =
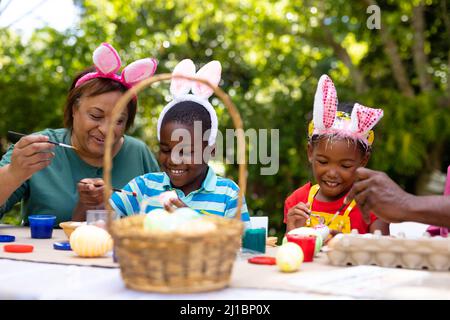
272 54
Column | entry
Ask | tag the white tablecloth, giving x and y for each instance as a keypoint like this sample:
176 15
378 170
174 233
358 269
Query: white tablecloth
29 280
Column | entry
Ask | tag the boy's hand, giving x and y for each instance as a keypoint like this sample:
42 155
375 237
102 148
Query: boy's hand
297 216
173 204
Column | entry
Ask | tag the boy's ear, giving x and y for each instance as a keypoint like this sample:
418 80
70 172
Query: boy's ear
310 151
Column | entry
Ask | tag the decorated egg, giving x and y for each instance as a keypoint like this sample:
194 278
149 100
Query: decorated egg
161 220
157 220
323 230
289 257
306 231
186 214
197 227
165 197
90 241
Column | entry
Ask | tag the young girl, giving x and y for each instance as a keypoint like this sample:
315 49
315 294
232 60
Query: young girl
187 129
339 141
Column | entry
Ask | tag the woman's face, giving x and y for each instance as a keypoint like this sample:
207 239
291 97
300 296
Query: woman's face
334 163
90 119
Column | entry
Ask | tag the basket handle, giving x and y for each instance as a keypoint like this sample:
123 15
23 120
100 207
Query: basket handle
133 91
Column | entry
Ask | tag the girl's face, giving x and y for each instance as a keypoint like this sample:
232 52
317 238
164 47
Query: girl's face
90 119
180 159
334 163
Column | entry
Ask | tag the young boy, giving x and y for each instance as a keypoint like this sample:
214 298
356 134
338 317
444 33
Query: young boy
184 155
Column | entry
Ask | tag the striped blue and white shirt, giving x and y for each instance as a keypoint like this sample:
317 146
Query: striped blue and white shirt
217 195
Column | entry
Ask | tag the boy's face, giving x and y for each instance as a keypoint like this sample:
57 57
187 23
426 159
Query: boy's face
180 158
334 163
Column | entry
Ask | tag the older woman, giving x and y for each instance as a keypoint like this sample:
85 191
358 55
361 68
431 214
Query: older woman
66 182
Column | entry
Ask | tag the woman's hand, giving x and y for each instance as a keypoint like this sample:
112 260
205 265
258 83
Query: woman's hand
297 216
90 193
31 154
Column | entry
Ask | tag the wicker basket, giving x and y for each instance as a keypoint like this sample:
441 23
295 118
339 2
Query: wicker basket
175 262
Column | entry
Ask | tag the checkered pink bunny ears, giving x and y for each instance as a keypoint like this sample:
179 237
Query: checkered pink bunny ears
180 88
107 63
327 120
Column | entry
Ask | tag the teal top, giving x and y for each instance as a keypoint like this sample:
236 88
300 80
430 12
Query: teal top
53 190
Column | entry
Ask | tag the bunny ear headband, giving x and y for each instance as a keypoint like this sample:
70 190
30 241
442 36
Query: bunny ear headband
107 63
328 121
179 88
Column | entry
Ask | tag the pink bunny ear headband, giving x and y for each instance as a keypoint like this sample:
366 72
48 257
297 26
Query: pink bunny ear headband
107 62
179 88
328 121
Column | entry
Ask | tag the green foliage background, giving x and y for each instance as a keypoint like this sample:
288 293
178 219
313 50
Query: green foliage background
272 54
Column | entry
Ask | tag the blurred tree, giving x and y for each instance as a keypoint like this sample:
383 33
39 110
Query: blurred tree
272 53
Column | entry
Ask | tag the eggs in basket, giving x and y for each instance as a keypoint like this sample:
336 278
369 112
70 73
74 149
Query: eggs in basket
184 220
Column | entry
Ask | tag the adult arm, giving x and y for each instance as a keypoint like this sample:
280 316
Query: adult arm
376 192
30 154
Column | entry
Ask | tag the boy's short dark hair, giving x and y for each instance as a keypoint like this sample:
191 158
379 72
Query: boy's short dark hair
346 107
187 112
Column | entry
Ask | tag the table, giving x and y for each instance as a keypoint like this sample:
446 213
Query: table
316 280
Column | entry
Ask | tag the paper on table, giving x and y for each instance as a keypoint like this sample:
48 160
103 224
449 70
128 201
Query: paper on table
260 222
359 281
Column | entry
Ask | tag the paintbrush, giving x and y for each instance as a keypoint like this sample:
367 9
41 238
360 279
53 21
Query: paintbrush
337 213
130 193
15 136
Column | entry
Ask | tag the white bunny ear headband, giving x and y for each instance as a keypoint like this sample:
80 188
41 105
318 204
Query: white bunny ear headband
179 88
328 121
107 63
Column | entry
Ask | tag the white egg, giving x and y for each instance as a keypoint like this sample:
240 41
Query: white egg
289 257
90 241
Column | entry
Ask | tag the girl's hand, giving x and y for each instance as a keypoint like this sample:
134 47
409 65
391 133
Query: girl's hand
31 154
297 216
173 204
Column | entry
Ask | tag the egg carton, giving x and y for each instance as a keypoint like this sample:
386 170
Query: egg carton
430 253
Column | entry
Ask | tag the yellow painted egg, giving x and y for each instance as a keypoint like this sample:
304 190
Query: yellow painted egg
289 257
90 241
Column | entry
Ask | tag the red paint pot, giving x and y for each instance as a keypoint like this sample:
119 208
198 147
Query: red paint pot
307 243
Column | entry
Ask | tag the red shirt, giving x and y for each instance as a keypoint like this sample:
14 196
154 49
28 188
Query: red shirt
301 195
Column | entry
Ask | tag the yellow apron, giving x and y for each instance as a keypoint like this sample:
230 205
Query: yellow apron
339 223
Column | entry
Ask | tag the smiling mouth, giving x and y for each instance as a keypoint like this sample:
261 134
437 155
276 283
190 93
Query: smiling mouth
176 172
331 184
98 140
